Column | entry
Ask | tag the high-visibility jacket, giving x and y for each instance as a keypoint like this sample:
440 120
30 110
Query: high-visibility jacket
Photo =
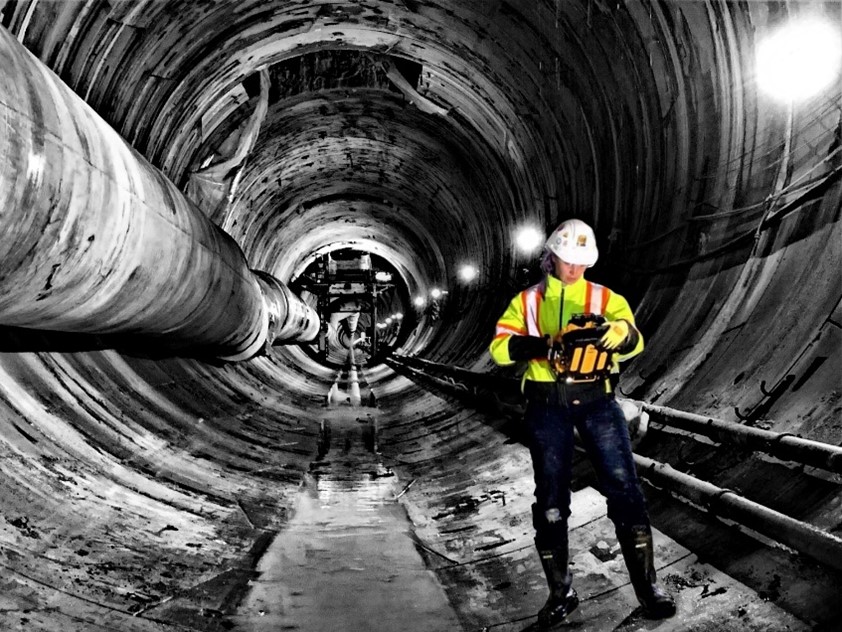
545 309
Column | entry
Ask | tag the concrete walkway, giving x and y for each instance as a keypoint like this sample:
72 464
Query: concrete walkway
346 562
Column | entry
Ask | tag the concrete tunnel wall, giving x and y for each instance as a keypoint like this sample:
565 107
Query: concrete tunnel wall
134 484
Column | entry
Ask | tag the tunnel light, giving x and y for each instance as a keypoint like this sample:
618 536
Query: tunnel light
800 59
468 272
389 320
419 301
383 277
397 316
529 239
35 169
435 292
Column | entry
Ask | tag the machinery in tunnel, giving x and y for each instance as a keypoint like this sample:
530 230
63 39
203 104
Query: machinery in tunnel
359 305
207 421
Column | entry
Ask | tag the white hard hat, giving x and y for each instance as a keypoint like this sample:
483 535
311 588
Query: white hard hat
574 242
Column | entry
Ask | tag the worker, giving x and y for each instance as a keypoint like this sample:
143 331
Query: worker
563 391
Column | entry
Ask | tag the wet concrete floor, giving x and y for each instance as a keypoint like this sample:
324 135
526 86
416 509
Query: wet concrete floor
707 600
346 560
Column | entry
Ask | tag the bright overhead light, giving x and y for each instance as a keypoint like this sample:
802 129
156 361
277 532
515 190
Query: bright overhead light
435 292
397 316
799 59
419 301
468 272
529 239
382 276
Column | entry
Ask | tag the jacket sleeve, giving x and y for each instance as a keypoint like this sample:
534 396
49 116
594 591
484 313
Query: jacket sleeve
511 343
618 309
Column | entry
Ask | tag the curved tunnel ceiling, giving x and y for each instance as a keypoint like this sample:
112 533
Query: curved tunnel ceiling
716 209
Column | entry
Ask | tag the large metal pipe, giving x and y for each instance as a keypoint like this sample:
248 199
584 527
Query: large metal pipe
290 318
94 239
785 446
801 536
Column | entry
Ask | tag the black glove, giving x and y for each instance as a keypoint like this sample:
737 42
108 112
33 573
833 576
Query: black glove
556 355
527 347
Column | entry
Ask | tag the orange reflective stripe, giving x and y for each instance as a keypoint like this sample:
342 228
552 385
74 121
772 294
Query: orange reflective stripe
596 298
498 336
509 330
606 294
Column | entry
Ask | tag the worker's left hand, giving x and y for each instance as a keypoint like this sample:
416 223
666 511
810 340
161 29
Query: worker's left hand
618 331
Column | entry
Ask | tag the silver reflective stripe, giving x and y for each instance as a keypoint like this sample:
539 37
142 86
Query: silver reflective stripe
532 303
505 329
595 306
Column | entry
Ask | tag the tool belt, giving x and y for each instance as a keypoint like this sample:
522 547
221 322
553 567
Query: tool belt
579 356
565 394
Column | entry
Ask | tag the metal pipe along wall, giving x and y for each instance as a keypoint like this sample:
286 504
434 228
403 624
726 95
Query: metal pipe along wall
97 240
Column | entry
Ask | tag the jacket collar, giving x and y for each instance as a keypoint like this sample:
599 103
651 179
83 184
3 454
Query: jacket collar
554 285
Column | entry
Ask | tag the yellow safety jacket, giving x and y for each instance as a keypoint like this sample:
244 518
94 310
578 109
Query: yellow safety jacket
545 309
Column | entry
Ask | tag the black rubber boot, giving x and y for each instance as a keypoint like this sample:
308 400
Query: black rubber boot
563 599
639 554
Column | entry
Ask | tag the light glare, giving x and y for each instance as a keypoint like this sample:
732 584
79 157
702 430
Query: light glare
799 60
529 239
468 272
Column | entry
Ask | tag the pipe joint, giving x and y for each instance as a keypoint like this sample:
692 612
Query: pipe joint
259 342
290 319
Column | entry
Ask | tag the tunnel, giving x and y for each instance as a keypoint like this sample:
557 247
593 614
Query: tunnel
252 254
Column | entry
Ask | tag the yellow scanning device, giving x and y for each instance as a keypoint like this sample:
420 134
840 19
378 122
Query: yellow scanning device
582 358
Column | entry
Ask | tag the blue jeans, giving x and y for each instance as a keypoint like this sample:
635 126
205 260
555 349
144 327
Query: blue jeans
605 437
